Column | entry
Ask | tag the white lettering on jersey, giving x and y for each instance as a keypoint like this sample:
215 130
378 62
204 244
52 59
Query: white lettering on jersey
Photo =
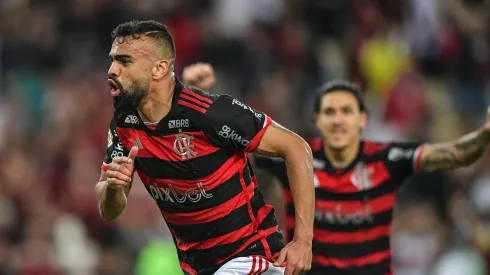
339 216
131 119
178 123
170 194
396 154
236 102
228 133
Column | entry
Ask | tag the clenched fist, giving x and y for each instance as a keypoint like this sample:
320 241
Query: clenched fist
200 75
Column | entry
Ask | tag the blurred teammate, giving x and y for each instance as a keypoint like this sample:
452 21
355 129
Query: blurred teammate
356 181
188 147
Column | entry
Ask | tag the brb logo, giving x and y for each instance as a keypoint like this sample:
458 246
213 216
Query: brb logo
183 146
170 194
178 123
228 133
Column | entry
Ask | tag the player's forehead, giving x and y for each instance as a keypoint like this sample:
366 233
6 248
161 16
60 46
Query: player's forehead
338 99
134 46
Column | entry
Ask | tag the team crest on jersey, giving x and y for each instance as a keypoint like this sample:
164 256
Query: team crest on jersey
183 146
109 139
361 177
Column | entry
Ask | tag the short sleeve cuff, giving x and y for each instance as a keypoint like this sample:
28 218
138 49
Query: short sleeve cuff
417 156
256 140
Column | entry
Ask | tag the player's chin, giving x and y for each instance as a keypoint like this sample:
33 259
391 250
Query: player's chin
338 144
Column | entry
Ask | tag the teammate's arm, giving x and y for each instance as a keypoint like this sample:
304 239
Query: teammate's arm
275 166
461 152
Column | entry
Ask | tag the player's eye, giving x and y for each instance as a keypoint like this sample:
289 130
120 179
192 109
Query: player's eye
347 110
125 62
329 111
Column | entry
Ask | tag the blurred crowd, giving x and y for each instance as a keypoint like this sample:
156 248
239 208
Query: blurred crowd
425 65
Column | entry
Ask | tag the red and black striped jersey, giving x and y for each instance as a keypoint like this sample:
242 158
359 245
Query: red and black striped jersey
353 205
193 164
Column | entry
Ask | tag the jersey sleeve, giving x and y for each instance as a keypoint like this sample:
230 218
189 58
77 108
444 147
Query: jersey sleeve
403 159
114 146
232 124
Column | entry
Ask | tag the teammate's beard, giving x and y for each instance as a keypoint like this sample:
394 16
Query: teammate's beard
129 99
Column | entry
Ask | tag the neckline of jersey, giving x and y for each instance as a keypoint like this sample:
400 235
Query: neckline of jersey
173 110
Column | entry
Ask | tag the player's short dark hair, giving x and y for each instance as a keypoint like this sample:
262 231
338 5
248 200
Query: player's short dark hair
340 85
150 28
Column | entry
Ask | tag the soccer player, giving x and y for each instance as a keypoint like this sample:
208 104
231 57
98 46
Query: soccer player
356 180
188 147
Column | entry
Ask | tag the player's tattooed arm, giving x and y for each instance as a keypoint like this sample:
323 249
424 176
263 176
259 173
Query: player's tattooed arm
462 152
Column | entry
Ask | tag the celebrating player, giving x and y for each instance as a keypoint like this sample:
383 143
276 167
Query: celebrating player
188 147
356 180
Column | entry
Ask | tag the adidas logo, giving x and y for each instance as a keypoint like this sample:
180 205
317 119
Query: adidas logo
131 119
138 143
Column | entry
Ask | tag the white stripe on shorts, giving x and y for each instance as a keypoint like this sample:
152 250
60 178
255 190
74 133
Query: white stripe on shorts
252 265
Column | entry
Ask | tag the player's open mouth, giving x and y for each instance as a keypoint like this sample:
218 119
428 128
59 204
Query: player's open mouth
114 88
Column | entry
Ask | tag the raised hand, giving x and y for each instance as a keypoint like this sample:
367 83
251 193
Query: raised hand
120 170
200 75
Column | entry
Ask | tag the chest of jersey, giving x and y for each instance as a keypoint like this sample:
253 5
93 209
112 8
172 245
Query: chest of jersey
363 176
182 155
178 147
353 197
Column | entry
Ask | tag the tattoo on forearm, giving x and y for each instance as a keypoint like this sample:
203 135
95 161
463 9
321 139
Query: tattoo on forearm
462 152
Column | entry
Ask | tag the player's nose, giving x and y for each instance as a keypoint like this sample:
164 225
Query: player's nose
337 119
114 70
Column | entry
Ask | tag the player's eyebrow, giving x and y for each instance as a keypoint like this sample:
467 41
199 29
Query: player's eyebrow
119 57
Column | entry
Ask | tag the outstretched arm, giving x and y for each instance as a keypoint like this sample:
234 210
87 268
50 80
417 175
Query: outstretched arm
461 152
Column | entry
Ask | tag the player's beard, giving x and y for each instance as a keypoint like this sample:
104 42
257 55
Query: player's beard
130 98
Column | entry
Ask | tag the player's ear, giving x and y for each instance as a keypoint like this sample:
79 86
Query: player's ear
363 120
160 68
315 119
